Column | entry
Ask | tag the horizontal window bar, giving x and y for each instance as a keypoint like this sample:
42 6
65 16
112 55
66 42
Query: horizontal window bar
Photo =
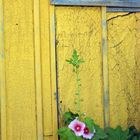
112 3
116 9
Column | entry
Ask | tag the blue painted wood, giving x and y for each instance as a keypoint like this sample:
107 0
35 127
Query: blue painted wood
112 3
116 9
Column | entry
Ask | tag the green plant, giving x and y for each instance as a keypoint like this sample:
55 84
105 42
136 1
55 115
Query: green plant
66 133
134 134
130 133
117 133
75 61
76 125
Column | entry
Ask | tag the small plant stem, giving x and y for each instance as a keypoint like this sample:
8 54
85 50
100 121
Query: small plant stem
78 99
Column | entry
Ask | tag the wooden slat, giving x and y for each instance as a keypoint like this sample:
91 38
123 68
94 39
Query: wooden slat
38 70
118 3
19 67
2 77
105 68
45 68
53 71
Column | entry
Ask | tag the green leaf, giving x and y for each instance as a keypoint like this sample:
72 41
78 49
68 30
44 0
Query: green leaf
79 138
135 138
80 61
117 133
69 61
111 134
62 133
75 54
95 138
66 134
133 133
75 60
90 124
69 116
99 134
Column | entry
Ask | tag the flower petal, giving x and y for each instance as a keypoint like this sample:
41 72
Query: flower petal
88 136
77 127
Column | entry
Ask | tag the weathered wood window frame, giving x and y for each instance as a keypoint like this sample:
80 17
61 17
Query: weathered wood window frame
112 5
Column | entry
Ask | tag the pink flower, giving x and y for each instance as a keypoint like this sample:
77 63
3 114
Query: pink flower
87 134
77 127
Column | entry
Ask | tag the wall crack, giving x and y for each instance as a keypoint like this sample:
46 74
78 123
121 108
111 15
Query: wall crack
120 16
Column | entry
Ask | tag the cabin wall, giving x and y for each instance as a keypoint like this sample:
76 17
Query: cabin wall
81 28
35 38
22 63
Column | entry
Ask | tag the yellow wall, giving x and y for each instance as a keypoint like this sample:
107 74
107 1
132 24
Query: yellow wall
19 69
124 64
30 66
22 39
80 28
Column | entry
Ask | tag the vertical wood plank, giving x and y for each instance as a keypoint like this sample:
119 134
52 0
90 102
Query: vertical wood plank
38 69
2 78
53 70
105 69
46 68
20 74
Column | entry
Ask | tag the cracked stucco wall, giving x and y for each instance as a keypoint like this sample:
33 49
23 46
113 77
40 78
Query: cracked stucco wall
124 68
80 28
